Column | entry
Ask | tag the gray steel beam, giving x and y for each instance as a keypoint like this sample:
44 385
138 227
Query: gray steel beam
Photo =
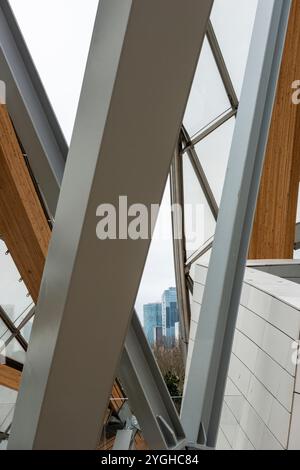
129 117
205 384
30 110
141 378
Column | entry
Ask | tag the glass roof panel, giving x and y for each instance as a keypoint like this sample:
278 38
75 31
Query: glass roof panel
13 294
213 153
208 98
3 329
233 22
159 273
14 351
26 330
58 40
8 399
199 222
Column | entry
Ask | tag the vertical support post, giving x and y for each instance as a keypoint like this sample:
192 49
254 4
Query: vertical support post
133 94
205 384
177 200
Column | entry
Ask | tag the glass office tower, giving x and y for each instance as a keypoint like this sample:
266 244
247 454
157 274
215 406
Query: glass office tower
152 321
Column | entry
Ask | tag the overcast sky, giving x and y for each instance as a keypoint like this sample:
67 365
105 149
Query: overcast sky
58 34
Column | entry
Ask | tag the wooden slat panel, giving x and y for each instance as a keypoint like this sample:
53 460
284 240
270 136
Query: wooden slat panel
10 378
23 225
274 226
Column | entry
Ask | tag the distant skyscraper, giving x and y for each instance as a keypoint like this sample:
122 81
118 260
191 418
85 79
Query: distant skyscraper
152 322
169 315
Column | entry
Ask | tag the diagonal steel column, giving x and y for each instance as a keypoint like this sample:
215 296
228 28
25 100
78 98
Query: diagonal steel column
130 113
205 384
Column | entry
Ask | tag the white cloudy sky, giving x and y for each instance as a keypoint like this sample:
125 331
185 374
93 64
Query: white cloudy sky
58 34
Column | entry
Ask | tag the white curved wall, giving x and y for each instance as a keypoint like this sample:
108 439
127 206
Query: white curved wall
262 400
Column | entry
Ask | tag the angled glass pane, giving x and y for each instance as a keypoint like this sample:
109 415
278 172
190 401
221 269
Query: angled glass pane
26 330
208 98
233 22
14 351
159 274
199 222
23 316
3 329
213 153
13 293
8 399
58 35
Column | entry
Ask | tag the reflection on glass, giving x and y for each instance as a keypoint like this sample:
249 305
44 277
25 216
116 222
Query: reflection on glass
13 294
208 98
7 403
199 222
159 272
213 153
15 352
233 22
58 35
26 330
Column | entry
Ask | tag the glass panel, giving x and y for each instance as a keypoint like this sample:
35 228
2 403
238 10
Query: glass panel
233 22
58 35
23 315
199 222
208 98
26 330
213 153
13 294
159 272
14 351
3 329
7 404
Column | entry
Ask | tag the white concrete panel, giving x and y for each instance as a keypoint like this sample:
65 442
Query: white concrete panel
279 423
294 440
198 292
222 443
246 350
277 380
240 375
261 400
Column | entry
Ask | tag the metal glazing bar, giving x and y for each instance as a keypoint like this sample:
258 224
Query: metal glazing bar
198 254
14 331
213 127
177 201
206 379
221 64
17 334
201 177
